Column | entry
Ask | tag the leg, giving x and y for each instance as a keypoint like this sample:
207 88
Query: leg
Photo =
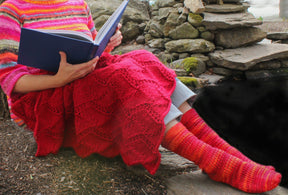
218 164
196 125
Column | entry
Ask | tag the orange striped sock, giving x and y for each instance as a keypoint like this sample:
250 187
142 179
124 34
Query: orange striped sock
202 131
218 164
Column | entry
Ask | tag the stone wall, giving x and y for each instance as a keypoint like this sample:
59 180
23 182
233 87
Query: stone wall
226 38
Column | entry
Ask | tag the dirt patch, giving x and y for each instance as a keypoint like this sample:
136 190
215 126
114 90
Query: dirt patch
66 173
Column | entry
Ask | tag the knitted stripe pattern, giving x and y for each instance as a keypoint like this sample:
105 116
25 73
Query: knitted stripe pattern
117 109
196 125
56 14
218 164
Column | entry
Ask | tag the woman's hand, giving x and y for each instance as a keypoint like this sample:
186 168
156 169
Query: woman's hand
68 72
115 40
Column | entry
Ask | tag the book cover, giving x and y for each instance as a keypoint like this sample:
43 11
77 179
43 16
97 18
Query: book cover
40 48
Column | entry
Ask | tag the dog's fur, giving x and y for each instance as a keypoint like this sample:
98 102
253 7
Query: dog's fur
252 116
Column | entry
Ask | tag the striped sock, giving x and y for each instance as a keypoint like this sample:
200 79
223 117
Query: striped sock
196 125
218 164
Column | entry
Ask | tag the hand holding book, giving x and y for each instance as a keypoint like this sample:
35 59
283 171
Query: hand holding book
40 48
115 40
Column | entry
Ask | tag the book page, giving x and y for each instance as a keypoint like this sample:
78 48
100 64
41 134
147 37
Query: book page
68 33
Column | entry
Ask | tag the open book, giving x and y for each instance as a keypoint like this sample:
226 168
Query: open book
40 48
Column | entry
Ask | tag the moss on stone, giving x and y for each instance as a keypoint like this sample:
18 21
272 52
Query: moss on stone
190 82
197 17
190 64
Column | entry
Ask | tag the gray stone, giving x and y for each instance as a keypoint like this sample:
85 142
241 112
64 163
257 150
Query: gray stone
211 78
195 19
130 31
214 21
140 40
272 64
190 45
199 183
227 8
155 29
277 35
245 58
136 12
267 74
171 22
184 31
238 37
164 12
200 66
225 1
157 43
284 63
207 35
226 72
166 3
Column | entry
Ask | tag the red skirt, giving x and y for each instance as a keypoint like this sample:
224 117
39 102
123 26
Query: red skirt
118 109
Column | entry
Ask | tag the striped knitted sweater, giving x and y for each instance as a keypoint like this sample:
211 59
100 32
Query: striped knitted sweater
35 14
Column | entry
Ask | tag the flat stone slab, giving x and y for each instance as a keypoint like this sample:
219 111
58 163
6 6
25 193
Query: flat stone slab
245 58
277 36
214 21
199 183
226 8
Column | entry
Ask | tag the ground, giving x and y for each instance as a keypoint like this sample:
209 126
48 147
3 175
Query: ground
66 173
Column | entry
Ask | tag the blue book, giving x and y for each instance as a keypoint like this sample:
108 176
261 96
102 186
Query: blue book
40 48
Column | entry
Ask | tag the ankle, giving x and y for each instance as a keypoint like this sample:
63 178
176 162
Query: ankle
184 107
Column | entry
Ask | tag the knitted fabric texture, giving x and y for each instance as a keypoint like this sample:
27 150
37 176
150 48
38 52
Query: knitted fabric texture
117 109
196 125
218 164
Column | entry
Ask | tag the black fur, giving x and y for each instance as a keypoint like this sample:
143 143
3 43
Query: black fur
252 116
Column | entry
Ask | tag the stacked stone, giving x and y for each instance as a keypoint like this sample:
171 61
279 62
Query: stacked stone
240 50
225 38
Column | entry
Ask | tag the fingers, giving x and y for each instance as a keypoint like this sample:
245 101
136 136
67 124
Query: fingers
63 57
119 26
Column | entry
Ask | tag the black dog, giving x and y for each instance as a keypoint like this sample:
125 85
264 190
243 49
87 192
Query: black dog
252 116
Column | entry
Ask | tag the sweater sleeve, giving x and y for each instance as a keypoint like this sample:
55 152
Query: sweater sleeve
90 23
10 29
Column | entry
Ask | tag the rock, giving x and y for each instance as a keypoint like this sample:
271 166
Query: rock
272 64
207 35
199 183
165 3
195 6
284 63
130 31
211 78
195 19
245 58
184 31
136 12
227 8
277 36
225 1
190 45
214 21
226 72
233 38
156 43
192 65
193 82
155 29
140 39
267 74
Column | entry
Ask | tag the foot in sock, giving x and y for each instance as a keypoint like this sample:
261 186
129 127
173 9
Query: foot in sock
196 125
220 165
